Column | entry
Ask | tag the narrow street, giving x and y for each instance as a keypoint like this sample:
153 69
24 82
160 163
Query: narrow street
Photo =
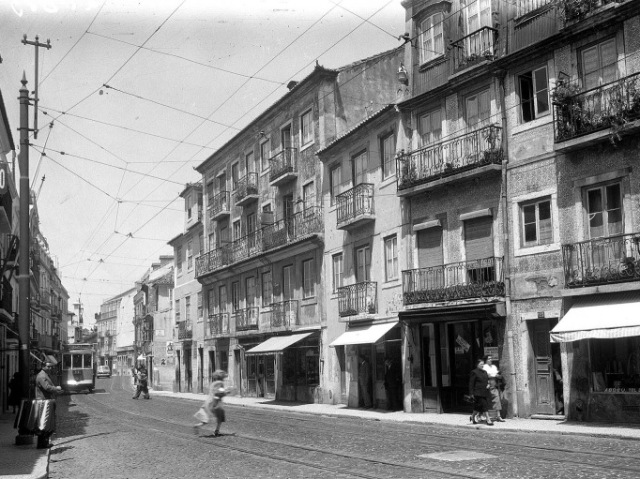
108 435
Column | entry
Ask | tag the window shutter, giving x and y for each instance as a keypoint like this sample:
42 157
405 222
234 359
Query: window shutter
477 238
430 247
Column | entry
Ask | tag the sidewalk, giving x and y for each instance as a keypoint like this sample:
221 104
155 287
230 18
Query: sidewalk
21 462
544 426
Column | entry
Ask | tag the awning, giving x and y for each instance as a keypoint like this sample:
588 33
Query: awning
602 317
367 335
277 343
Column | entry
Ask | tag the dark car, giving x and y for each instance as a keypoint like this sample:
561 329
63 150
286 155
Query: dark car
103 372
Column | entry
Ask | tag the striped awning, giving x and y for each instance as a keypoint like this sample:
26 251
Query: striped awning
600 317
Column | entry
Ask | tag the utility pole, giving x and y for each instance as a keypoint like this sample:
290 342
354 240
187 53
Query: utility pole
24 283
37 45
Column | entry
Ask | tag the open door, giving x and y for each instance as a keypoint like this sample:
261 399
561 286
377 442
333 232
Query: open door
430 367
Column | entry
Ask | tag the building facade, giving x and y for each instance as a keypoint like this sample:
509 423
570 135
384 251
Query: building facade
114 327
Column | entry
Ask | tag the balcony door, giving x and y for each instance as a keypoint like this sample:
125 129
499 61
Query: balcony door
478 242
287 207
363 264
430 259
478 15
286 137
287 283
359 168
605 219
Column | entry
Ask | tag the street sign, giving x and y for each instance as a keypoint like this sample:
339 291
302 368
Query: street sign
3 178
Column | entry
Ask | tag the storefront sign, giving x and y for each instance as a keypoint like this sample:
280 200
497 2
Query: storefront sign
622 390
169 348
465 345
491 351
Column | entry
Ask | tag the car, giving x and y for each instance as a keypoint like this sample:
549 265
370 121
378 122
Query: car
103 372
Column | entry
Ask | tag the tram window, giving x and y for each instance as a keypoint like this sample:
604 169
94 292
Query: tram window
76 361
66 361
87 361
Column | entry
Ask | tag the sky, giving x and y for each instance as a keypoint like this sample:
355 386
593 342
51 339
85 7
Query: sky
133 95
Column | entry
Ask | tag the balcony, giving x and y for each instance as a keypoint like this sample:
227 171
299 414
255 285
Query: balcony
470 154
218 324
357 299
355 206
283 167
475 48
213 260
611 109
219 206
185 330
301 225
6 302
245 247
614 259
246 190
475 279
247 319
45 299
284 314
575 10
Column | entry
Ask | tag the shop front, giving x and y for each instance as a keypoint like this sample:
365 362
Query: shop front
602 341
442 346
370 359
285 368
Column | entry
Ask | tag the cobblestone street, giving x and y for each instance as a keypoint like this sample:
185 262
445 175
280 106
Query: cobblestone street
108 435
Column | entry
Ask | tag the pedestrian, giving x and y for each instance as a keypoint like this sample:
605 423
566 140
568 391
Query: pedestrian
213 404
479 391
142 384
495 399
15 390
364 379
45 389
392 385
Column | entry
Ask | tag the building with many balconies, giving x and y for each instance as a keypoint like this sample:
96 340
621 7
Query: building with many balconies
261 273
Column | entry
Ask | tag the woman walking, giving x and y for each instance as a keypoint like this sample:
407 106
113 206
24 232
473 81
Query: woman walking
495 399
213 404
479 390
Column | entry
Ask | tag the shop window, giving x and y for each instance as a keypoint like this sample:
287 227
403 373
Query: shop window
615 364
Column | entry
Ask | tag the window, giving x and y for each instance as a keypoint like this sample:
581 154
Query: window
306 127
250 291
431 127
387 154
201 243
363 264
237 231
177 310
200 314
534 94
478 109
359 168
391 258
287 283
222 299
188 205
537 228
179 259
431 38
235 296
187 308
478 15
526 6
599 64
604 210
308 281
265 148
338 271
250 162
211 301
309 195
478 238
267 289
251 229
235 175
336 181
189 254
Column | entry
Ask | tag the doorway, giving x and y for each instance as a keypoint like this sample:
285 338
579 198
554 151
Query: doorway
546 360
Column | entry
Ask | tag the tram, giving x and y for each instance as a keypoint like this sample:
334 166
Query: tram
78 367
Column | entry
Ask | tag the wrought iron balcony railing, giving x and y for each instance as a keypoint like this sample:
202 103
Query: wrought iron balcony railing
577 9
481 278
474 48
283 166
355 206
218 324
607 106
284 314
301 225
247 319
358 298
213 260
219 205
246 247
445 158
185 330
246 189
614 259
6 302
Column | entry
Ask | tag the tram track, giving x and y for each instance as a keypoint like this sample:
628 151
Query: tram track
609 461
99 408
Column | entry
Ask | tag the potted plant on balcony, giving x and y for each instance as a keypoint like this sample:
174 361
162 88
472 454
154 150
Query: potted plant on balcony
568 109
576 9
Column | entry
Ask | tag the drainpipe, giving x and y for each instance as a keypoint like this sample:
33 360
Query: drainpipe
506 264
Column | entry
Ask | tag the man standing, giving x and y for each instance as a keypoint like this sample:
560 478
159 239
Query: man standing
142 383
45 389
364 379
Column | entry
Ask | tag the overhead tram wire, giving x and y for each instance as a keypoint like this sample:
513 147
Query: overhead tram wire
362 18
42 155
